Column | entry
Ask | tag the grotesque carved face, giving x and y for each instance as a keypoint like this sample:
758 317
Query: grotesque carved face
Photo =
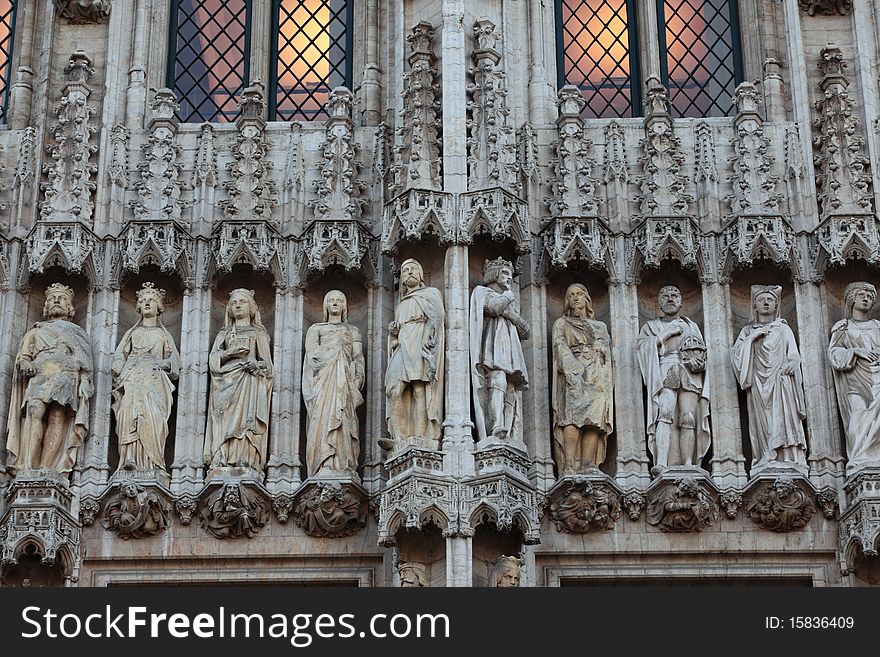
669 300
766 304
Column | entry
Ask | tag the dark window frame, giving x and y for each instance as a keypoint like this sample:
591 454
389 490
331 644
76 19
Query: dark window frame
274 54
4 100
635 63
736 51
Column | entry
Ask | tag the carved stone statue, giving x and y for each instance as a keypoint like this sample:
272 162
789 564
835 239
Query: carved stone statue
413 575
854 353
768 367
241 388
144 363
333 376
672 358
49 408
583 403
506 572
414 378
134 512
498 367
683 507
782 507
330 510
83 11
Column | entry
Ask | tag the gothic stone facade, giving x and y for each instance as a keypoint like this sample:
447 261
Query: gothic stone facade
455 147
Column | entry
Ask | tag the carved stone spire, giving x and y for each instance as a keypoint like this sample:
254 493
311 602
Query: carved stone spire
754 187
616 166
68 194
491 138
841 162
662 183
573 183
338 188
417 155
705 170
252 193
159 187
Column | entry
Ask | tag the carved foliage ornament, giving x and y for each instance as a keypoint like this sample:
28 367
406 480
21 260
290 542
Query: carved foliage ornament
159 187
573 183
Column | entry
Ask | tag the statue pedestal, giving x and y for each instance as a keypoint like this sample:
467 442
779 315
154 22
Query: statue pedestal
780 497
38 520
584 502
682 499
159 477
237 473
414 459
859 526
331 506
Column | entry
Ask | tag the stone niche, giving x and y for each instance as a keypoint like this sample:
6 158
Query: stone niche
652 280
171 319
597 286
37 285
355 291
488 545
425 550
762 273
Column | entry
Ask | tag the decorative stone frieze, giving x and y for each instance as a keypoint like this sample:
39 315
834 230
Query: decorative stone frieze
842 238
331 508
569 239
747 239
252 192
417 154
162 244
491 138
417 501
68 193
669 238
582 503
344 243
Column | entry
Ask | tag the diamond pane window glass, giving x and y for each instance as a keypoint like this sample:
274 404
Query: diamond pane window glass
209 60
595 54
701 59
312 56
7 31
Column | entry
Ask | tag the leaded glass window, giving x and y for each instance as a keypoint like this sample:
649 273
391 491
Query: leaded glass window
313 38
597 53
209 66
700 55
7 32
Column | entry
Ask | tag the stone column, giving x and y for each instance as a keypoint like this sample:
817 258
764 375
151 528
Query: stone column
192 386
103 321
13 325
21 92
823 430
381 312
537 423
259 59
371 87
728 462
459 560
541 92
283 472
629 422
